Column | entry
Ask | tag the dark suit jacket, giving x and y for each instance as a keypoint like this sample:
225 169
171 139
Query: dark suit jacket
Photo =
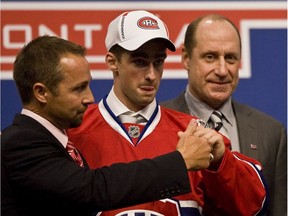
270 137
40 178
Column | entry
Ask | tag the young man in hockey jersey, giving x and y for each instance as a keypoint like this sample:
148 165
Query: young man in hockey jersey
129 124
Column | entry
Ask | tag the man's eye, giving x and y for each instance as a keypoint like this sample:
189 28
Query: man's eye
209 57
231 59
80 88
139 62
159 62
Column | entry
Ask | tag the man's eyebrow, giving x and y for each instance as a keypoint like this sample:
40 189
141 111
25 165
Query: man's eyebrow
139 54
85 83
216 52
144 55
161 55
210 51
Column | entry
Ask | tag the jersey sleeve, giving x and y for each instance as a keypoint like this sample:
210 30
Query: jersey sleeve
236 188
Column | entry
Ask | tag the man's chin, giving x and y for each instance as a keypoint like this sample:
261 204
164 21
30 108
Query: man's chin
76 123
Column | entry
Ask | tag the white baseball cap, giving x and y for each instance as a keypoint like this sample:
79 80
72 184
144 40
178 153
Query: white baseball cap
132 29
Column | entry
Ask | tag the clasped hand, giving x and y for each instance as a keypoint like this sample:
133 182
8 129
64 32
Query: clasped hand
197 144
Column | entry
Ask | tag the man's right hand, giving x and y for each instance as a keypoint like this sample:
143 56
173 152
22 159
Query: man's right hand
194 149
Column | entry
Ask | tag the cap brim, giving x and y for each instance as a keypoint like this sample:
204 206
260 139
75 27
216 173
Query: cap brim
137 42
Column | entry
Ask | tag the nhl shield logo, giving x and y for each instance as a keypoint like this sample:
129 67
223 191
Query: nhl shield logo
134 131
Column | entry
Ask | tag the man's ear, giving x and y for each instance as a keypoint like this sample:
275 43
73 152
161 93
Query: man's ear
185 58
111 62
40 92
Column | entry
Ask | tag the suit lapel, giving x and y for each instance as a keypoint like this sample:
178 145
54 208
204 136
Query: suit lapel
181 104
29 122
248 137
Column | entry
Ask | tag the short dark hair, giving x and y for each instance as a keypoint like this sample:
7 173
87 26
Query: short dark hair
38 61
190 40
117 51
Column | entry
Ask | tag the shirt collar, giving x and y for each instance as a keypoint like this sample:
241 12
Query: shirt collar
227 111
59 134
203 111
118 108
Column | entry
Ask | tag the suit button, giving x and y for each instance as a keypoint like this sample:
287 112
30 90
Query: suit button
173 191
177 189
167 192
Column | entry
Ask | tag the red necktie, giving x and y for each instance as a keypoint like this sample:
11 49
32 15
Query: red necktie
73 152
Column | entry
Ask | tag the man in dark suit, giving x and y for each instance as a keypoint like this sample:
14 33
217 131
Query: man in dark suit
211 55
39 177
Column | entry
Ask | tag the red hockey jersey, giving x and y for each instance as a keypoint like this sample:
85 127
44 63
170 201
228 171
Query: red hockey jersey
236 188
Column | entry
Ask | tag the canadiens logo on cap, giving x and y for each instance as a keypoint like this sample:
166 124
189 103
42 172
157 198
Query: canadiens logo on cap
147 23
130 30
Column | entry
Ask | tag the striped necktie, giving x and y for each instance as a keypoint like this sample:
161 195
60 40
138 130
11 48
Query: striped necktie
132 118
216 119
74 153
